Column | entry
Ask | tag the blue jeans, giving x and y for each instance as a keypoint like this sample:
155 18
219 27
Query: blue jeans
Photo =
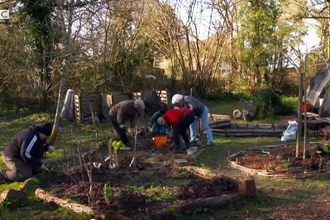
205 123
159 129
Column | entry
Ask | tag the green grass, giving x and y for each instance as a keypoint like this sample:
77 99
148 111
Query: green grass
222 107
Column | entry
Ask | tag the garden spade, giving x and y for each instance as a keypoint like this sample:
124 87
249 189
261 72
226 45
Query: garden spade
134 139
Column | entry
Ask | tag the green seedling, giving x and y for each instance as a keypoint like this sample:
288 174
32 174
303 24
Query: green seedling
279 157
326 148
117 145
271 167
287 165
305 170
328 163
265 155
107 192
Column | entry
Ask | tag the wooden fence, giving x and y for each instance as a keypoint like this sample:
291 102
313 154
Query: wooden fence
101 103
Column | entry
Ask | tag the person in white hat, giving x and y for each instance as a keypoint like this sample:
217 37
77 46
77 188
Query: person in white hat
121 112
201 112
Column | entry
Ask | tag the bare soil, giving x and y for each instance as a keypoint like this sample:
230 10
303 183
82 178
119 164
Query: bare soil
131 187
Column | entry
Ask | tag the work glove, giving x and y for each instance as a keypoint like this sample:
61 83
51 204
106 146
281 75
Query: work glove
51 148
43 167
130 131
122 126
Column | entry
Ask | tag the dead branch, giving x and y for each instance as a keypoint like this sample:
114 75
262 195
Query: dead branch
77 208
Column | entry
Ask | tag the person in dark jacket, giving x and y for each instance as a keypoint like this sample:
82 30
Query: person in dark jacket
121 112
201 112
154 126
179 119
23 154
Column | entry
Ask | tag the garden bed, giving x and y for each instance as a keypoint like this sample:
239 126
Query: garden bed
280 161
157 183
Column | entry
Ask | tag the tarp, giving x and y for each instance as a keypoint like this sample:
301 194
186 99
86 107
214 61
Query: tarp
318 83
325 107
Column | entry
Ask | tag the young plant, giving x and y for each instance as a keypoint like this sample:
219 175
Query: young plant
279 157
117 145
287 165
107 192
305 170
271 167
326 148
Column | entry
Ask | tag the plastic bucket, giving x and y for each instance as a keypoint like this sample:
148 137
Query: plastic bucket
160 141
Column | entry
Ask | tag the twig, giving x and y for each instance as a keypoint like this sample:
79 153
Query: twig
218 170
135 145
93 118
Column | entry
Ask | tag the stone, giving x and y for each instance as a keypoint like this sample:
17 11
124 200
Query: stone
181 161
192 150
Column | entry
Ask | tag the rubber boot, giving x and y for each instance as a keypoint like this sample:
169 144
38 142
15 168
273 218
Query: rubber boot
177 150
188 146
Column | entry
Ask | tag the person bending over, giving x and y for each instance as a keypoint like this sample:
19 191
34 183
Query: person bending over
201 111
121 112
179 119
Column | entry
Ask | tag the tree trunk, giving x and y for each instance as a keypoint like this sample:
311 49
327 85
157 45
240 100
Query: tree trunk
63 81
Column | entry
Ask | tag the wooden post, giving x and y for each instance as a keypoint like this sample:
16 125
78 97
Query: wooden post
299 116
305 118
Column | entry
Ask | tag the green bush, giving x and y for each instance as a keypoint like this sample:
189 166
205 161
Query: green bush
218 95
270 104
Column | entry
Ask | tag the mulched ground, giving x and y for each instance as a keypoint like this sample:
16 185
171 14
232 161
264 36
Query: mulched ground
282 158
154 167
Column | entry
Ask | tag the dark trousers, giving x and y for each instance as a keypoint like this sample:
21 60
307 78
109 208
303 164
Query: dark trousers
120 132
18 170
181 129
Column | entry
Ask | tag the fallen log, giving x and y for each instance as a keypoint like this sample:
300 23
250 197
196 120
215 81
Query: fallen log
224 134
75 207
246 130
221 125
12 194
200 171
214 201
257 126
78 208
223 121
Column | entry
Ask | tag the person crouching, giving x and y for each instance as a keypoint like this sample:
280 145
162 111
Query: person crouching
154 126
23 154
180 120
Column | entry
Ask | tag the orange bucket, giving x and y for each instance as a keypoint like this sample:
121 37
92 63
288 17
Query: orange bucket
160 141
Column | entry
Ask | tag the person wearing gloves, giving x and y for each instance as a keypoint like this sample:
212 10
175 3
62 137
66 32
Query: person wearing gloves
201 112
179 119
121 112
154 126
23 154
